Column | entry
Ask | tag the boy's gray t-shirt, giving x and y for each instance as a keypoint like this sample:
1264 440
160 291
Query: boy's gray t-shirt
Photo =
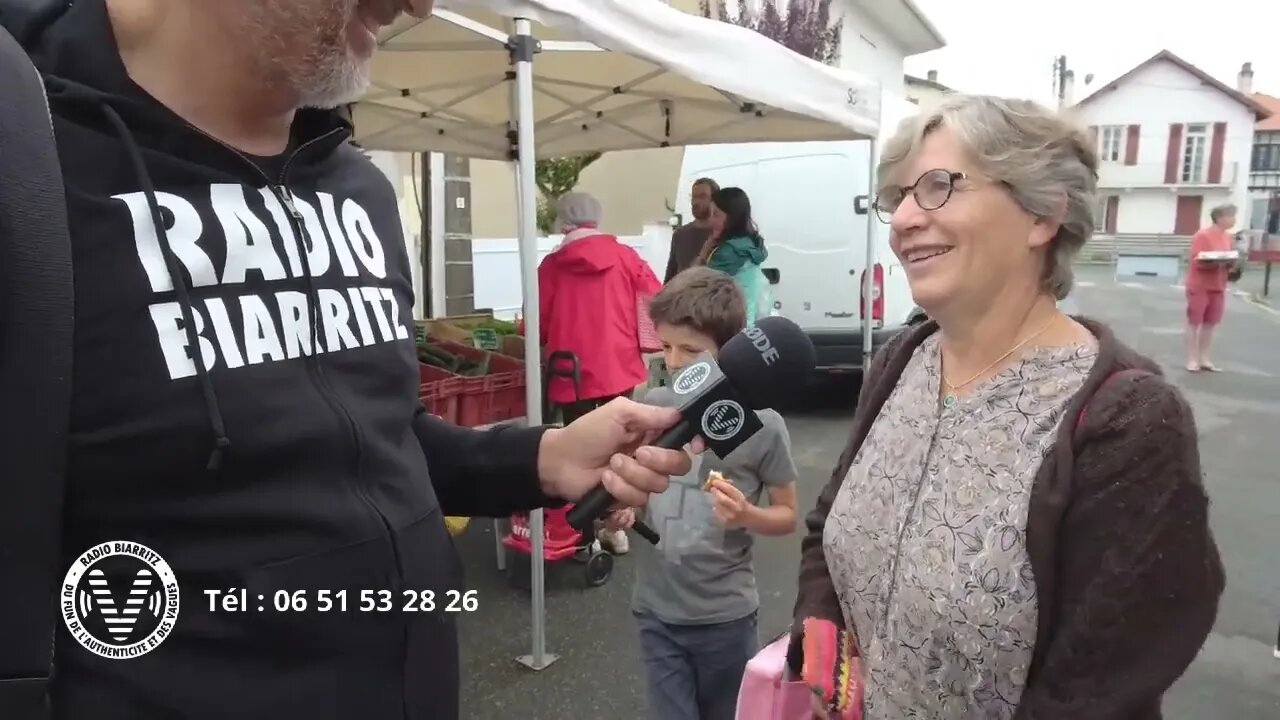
701 572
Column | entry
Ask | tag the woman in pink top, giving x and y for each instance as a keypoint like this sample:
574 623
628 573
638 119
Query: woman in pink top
1206 287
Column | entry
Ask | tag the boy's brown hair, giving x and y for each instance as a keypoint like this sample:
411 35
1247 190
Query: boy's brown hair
705 300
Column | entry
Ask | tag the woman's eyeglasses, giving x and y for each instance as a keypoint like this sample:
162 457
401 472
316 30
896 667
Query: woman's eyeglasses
931 191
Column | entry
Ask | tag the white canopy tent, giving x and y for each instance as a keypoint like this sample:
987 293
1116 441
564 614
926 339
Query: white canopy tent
668 78
610 75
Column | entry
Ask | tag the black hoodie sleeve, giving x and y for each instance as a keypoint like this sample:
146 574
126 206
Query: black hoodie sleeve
36 326
482 473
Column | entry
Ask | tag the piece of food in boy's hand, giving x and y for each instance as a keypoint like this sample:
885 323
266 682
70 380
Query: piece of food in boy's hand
712 477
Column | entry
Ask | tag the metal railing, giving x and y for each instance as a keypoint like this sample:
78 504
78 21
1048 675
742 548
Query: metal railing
1107 247
1264 179
1118 175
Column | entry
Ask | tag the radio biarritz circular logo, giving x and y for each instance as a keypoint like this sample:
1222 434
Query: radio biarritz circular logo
723 419
120 599
693 376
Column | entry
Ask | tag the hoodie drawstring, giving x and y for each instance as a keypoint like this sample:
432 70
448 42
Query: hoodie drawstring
221 443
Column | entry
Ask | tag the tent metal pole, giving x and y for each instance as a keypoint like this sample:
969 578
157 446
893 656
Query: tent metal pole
435 233
868 273
523 47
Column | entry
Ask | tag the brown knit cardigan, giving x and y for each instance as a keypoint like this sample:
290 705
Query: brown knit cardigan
1126 568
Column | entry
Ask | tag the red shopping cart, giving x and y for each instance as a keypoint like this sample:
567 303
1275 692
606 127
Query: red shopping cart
560 540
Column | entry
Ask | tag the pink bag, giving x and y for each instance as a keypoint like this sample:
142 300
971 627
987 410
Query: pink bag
646 331
766 694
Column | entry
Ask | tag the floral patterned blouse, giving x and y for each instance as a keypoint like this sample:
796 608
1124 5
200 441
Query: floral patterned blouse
926 540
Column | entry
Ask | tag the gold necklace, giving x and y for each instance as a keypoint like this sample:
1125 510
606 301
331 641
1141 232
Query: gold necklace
949 399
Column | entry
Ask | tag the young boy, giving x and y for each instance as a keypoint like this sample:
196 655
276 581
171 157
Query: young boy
695 598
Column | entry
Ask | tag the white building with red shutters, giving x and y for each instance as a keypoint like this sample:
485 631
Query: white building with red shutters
1173 143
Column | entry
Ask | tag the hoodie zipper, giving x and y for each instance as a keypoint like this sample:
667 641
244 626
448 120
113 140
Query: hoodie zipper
281 191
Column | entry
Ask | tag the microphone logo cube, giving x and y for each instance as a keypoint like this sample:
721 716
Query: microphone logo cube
722 420
692 378
712 407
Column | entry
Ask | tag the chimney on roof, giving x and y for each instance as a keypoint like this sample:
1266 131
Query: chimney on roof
1244 82
932 75
1068 88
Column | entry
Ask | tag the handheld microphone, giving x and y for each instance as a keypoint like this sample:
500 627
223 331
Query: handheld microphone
758 369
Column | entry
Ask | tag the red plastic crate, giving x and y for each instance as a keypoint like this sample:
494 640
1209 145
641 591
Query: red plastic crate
560 540
494 397
440 391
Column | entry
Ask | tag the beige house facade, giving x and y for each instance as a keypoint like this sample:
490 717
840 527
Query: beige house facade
635 188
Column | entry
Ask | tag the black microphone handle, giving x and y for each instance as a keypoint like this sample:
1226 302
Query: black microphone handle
677 436
594 504
597 502
646 532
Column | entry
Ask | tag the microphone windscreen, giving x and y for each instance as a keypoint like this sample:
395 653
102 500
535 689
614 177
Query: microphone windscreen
768 362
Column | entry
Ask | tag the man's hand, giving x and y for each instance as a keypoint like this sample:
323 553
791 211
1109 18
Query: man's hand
599 446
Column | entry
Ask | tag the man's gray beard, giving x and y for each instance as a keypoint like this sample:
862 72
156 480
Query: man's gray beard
345 81
328 77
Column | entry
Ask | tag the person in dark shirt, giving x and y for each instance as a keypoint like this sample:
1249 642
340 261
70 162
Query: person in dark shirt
688 239
242 402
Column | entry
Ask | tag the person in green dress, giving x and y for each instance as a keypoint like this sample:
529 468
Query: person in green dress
735 247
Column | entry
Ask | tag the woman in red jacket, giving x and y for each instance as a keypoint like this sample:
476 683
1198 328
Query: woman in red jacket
589 287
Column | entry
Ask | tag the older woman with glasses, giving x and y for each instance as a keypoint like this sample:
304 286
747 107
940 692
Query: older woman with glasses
1017 528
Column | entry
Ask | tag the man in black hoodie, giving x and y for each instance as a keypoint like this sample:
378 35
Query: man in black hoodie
243 394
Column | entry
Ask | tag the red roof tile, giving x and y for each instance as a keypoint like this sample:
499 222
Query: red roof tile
1273 104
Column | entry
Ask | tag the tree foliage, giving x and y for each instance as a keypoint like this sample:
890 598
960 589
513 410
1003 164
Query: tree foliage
803 26
555 177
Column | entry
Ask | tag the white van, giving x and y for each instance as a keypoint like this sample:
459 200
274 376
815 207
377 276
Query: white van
810 202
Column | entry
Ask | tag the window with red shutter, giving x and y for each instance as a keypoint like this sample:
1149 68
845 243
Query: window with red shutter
1195 154
1215 152
1131 145
1173 157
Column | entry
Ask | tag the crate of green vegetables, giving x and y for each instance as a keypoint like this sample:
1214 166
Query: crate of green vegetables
489 334
480 330
492 384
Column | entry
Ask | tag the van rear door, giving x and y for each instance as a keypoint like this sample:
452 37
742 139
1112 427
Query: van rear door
804 205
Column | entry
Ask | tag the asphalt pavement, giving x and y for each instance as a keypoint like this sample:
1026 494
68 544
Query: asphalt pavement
598 673
1238 417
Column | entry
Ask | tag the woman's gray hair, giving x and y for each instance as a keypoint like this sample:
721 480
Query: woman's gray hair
1047 162
577 209
1222 211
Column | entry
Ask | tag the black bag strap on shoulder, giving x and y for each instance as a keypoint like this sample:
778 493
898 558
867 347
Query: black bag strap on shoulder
36 308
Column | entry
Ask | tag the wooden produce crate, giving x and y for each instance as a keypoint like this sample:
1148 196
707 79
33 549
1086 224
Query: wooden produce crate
456 328
479 330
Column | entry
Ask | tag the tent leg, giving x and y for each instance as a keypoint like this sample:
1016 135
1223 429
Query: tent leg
522 47
435 233
868 276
